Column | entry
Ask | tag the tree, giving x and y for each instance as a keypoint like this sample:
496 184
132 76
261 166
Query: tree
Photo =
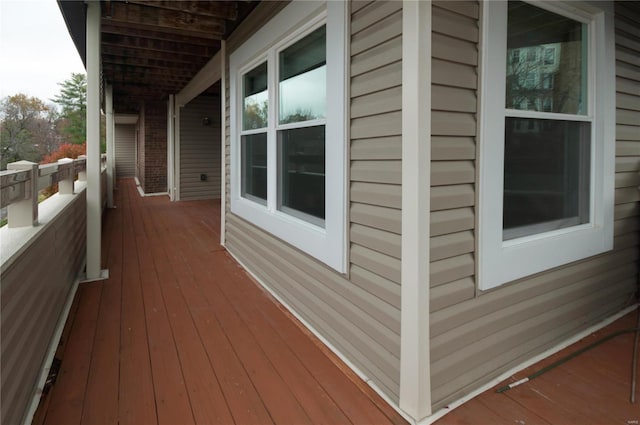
26 129
73 101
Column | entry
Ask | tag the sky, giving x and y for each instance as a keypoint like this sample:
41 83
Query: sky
36 50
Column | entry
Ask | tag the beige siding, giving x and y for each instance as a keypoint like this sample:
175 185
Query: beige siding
34 290
475 336
200 148
359 312
125 150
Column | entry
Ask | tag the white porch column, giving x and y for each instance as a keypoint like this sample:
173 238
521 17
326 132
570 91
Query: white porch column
223 140
111 153
93 141
415 373
171 171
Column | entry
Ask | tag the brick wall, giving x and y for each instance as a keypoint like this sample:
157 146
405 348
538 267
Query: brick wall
140 146
154 158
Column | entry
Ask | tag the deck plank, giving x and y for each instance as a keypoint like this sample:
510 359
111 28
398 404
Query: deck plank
509 410
67 396
317 404
171 396
136 400
207 402
592 388
101 399
240 393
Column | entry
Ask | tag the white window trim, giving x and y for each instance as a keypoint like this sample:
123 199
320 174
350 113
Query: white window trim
499 261
327 243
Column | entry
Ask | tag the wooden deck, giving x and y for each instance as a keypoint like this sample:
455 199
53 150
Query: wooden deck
591 389
179 334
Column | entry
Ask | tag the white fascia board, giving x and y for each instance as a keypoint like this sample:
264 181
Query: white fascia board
125 119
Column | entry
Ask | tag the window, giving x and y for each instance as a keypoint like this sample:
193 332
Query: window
549 56
547 144
288 138
515 56
547 81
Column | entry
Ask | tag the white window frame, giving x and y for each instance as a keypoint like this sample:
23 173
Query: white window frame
326 243
499 261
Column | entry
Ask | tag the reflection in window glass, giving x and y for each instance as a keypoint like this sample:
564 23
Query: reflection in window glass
562 43
254 166
303 79
255 98
301 171
546 175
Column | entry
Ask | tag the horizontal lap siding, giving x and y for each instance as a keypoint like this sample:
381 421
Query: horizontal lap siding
453 152
474 339
359 313
34 290
200 149
125 149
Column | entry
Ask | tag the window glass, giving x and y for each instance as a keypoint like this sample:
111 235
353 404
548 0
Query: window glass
303 79
254 166
255 99
546 175
301 173
553 45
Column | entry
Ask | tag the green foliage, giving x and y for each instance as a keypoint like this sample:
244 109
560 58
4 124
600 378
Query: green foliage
73 101
298 116
255 115
26 129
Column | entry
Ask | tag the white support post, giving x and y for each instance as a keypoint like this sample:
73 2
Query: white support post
111 154
65 186
25 213
415 373
170 146
82 175
176 150
94 209
223 141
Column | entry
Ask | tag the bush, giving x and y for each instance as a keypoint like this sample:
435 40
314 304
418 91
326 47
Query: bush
66 150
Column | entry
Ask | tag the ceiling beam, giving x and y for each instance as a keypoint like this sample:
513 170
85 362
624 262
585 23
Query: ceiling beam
163 20
127 30
144 54
221 10
164 62
126 43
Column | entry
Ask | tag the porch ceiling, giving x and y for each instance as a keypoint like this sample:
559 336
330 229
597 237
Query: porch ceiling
152 48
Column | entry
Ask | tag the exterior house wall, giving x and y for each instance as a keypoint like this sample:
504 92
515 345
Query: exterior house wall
34 290
155 147
475 336
200 149
125 150
357 313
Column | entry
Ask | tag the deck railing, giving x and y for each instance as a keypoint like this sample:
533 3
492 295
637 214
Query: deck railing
19 189
42 257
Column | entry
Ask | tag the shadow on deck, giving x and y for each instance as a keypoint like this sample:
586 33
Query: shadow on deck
180 334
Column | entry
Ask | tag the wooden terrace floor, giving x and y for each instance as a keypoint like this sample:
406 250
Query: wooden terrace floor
591 389
179 334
